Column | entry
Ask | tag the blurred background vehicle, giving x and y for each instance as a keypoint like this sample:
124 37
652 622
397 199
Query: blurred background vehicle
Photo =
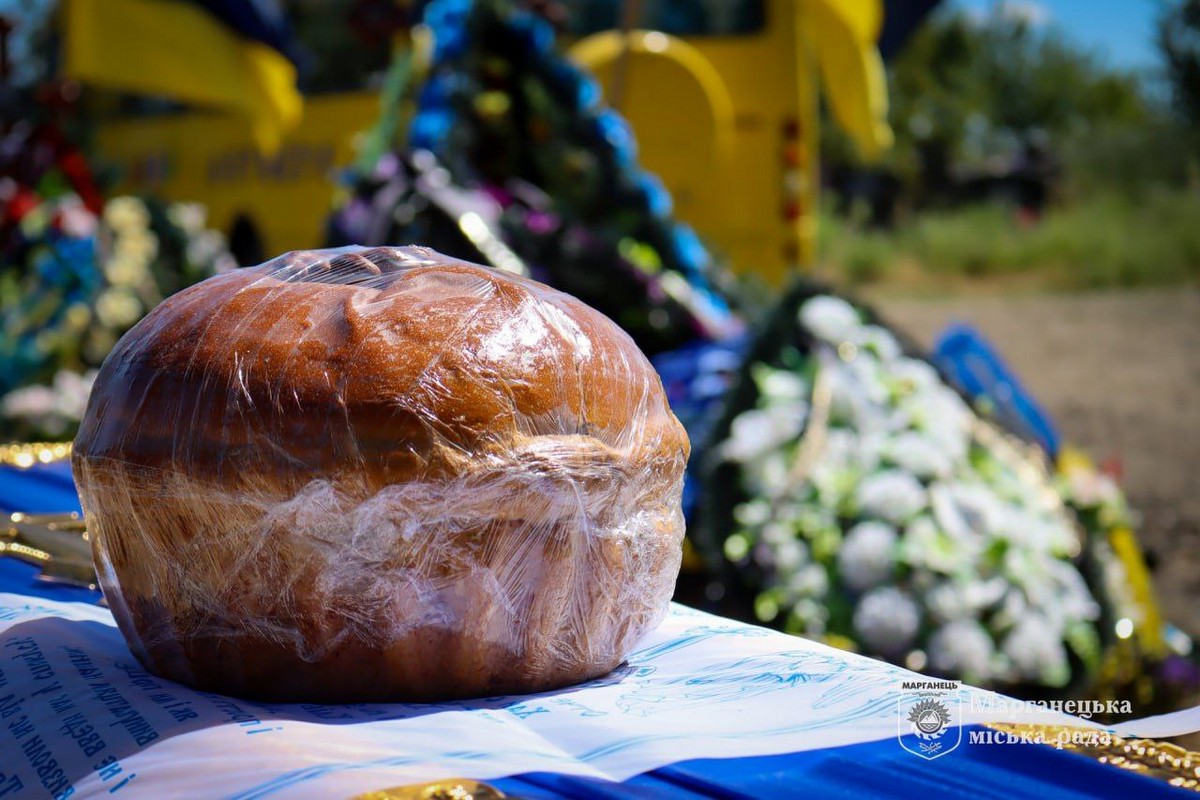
737 153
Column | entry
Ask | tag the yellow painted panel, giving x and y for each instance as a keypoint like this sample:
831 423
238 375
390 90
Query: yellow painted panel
212 159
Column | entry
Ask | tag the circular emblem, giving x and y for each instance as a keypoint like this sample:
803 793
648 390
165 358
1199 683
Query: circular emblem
929 719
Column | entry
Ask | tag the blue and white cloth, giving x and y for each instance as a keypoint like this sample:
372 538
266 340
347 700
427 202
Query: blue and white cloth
705 707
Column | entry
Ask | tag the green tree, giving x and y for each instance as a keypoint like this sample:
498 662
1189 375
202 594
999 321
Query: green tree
966 91
1179 40
343 45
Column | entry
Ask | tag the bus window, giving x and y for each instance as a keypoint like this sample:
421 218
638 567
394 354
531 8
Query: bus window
676 17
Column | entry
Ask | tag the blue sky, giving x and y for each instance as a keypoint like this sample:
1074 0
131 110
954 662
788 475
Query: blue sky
1121 31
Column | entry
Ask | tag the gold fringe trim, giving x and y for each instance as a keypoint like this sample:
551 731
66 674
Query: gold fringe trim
449 789
1166 762
24 456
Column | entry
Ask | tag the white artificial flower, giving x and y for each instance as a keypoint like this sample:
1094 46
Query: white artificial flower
961 648
1031 569
812 519
780 385
74 219
126 213
868 454
926 545
952 437
810 580
205 247
865 559
1012 609
967 511
917 453
775 533
946 511
893 420
887 620
126 269
943 416
756 432
52 408
752 513
878 341
225 262
191 217
1057 536
839 448
917 375
857 394
813 614
949 600
1065 595
866 380
829 318
847 406
985 594
891 495
118 308
29 402
833 483
72 390
769 475
140 244
1090 488
1035 651
788 555
1031 534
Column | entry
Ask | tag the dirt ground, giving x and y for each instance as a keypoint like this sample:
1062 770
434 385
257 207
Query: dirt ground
1120 374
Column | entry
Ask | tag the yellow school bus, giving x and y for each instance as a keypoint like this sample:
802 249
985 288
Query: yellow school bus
721 97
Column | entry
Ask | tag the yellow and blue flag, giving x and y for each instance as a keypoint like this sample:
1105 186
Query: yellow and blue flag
223 54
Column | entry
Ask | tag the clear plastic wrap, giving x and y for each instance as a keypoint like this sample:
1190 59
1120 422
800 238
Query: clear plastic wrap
380 474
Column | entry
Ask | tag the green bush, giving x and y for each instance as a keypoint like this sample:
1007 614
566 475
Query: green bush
859 256
975 241
1105 240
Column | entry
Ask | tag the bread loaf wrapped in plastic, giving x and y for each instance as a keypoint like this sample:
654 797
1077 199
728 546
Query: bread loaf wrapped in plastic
380 474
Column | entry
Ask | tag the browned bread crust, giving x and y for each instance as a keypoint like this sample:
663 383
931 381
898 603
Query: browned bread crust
378 475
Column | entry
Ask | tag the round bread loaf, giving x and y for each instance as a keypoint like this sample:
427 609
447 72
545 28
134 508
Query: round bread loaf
380 474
